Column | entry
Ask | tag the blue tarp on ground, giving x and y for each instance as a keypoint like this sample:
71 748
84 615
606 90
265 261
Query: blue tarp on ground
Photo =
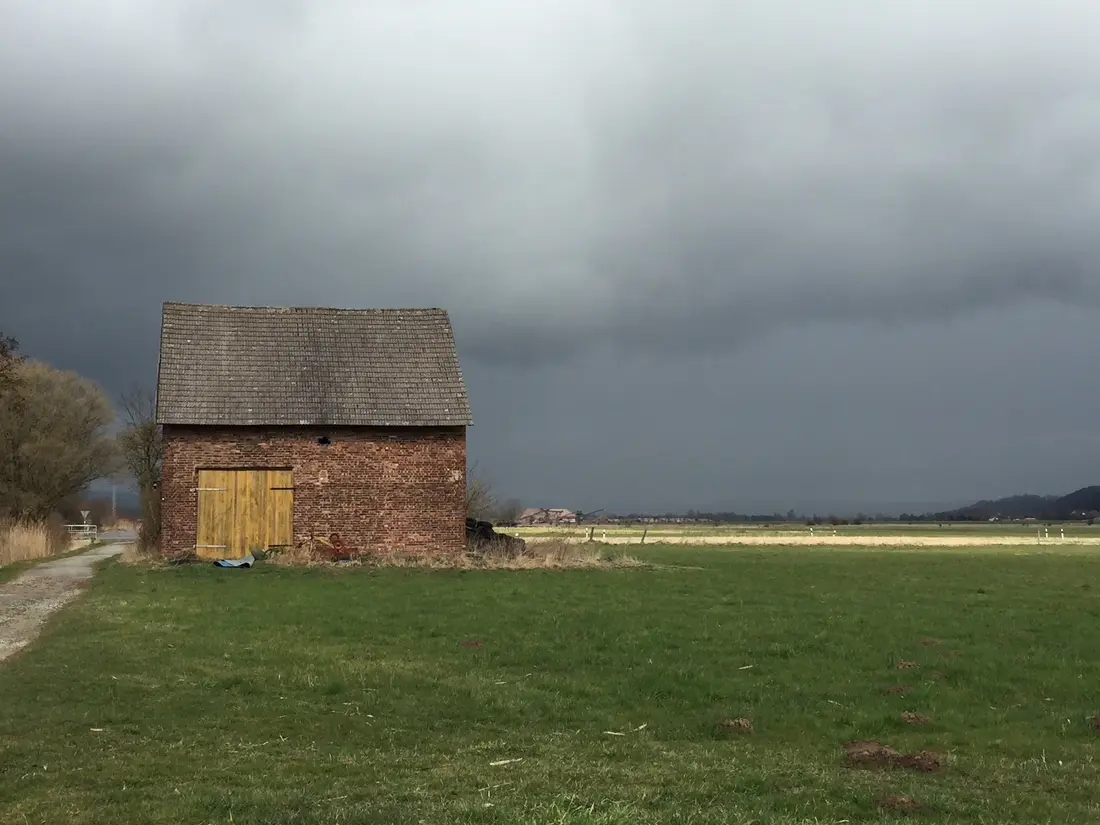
247 561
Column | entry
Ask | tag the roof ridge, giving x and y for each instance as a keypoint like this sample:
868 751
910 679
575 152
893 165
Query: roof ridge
192 305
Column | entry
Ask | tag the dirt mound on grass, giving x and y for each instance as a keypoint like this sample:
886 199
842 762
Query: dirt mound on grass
896 690
924 761
905 664
928 641
911 717
738 725
1095 723
898 804
866 753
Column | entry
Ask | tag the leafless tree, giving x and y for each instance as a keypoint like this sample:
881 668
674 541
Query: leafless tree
508 511
482 503
9 361
53 438
479 496
142 447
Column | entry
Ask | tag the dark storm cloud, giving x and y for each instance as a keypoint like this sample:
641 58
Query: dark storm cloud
578 182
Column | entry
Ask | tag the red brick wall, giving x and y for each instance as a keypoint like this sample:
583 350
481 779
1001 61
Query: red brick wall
384 488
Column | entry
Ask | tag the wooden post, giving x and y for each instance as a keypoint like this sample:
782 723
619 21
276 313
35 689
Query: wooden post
645 532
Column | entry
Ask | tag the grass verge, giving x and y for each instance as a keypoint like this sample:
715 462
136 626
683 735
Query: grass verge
282 695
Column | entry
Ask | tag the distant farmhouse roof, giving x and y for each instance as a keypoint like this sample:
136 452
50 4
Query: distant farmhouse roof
222 365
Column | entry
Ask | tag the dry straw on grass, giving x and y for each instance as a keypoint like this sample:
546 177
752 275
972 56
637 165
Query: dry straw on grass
545 555
550 554
24 541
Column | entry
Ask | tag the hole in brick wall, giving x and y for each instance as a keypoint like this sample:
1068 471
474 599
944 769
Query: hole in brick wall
324 441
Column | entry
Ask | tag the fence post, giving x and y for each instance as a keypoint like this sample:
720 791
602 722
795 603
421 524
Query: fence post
645 533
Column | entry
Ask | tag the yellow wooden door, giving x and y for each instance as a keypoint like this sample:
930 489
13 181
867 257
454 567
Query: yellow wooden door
215 525
250 517
244 510
280 508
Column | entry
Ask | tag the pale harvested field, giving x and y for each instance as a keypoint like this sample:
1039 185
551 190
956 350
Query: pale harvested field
802 539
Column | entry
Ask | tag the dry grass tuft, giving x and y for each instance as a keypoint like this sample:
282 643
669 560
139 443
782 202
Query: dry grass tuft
549 554
135 553
24 541
537 555
898 804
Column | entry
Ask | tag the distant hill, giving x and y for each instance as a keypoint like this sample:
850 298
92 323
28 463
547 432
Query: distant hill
1080 504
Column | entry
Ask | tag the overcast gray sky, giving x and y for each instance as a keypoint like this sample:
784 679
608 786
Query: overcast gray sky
698 254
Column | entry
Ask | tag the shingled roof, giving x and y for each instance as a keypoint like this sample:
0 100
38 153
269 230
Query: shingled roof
223 365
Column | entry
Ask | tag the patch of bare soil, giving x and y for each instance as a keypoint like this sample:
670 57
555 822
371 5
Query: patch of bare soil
925 761
911 717
1095 724
896 690
898 804
866 753
738 725
928 641
905 664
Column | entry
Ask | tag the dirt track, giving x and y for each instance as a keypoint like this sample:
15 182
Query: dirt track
27 601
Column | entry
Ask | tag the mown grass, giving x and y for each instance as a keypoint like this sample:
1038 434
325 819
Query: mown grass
306 696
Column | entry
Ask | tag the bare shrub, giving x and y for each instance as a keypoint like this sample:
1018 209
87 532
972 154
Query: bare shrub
142 446
26 540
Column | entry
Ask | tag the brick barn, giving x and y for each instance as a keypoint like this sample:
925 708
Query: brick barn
283 426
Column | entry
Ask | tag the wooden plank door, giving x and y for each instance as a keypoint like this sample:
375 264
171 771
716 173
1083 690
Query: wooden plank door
280 508
250 519
215 519
242 510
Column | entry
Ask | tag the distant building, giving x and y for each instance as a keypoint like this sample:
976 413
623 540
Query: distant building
546 515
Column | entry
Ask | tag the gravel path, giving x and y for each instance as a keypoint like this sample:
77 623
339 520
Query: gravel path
27 601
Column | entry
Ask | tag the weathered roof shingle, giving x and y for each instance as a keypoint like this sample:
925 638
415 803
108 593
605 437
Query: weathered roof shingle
308 366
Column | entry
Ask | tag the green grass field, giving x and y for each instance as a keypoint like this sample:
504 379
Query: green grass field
355 696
